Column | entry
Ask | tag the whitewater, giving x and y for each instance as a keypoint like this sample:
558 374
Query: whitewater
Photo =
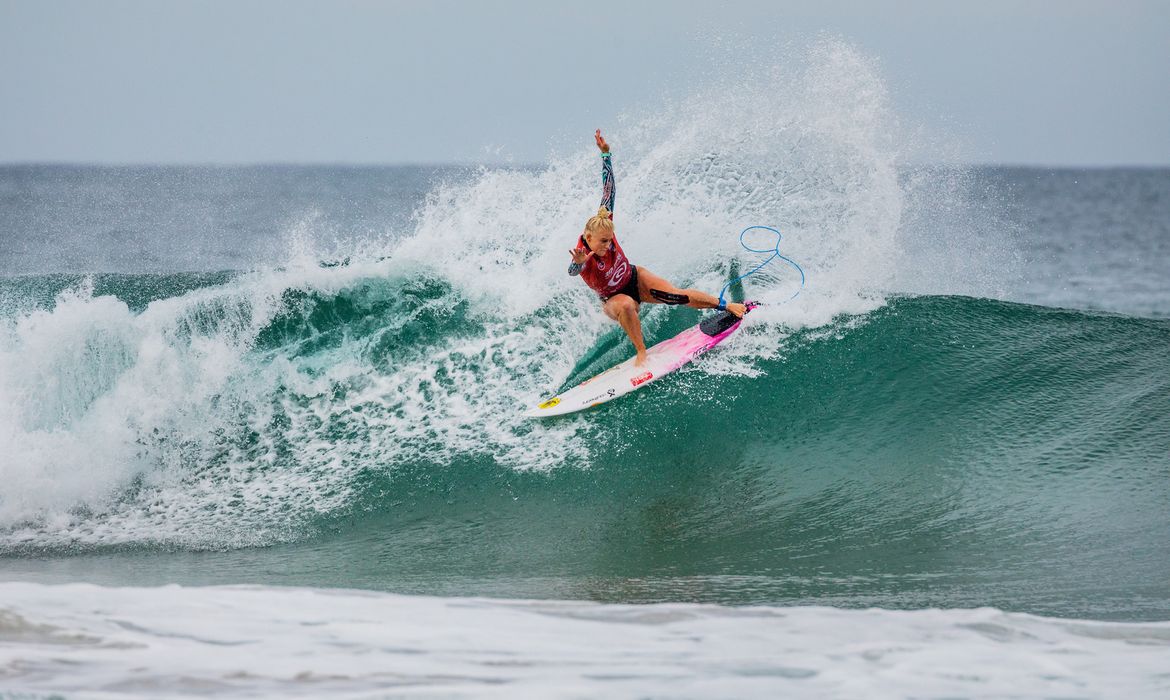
276 414
287 642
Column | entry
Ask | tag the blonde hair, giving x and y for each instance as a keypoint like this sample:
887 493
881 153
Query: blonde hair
603 221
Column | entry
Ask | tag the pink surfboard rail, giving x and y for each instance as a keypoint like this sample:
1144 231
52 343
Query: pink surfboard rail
661 360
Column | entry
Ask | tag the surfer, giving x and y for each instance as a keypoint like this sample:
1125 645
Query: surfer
622 286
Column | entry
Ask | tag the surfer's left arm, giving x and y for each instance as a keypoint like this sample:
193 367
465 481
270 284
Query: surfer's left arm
608 193
608 185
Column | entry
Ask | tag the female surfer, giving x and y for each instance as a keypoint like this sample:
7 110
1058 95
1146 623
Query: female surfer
622 286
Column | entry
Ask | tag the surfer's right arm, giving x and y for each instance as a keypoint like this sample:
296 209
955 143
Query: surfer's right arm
580 255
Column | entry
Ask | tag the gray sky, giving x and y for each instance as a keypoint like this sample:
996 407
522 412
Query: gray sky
1073 82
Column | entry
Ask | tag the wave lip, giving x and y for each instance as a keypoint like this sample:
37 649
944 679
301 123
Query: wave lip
248 641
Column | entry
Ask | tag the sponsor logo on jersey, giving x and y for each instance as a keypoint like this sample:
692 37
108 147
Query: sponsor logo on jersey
617 275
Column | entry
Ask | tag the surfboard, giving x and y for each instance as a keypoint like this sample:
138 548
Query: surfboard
661 360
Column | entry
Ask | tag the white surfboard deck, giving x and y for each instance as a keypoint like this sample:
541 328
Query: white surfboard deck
661 360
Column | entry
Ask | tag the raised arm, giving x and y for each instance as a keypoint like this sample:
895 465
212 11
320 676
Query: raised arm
608 191
608 187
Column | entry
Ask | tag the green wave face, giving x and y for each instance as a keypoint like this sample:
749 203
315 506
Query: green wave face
936 451
945 451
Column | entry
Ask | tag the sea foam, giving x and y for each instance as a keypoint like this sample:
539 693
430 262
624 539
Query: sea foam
86 641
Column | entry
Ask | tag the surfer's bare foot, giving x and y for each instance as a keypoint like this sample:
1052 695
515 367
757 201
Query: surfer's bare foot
640 360
738 309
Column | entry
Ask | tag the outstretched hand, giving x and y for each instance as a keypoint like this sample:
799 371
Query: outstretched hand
600 141
579 255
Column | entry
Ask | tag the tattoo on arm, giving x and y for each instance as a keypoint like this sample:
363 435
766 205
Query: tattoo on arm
608 186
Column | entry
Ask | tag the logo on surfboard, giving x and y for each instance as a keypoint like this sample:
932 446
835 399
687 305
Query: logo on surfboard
641 378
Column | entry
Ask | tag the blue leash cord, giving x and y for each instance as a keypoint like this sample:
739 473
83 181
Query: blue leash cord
775 253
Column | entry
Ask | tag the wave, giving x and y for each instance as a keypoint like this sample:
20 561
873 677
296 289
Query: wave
222 419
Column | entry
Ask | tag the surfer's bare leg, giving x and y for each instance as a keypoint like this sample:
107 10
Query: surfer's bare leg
648 283
624 310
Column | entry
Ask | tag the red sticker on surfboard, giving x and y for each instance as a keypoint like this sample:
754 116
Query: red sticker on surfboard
641 378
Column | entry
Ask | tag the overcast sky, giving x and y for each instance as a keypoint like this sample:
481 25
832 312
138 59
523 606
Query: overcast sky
1069 82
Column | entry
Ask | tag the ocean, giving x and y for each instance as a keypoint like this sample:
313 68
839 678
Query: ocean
261 433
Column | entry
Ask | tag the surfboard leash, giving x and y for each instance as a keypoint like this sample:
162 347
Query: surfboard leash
775 254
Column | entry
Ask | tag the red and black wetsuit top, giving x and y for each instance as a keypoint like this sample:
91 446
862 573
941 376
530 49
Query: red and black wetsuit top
605 273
